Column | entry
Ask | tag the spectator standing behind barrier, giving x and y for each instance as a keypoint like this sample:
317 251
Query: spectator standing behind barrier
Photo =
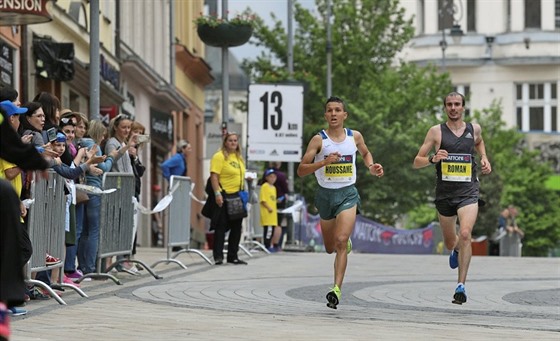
88 243
12 286
69 173
11 172
457 187
494 247
282 191
51 108
122 140
138 169
337 198
32 125
81 125
227 174
512 227
269 211
177 164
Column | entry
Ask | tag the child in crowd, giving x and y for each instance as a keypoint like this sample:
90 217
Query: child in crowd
70 173
269 216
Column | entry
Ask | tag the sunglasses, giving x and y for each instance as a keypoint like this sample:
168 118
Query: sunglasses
67 121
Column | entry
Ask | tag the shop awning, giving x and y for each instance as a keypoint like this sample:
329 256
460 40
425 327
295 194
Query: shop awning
23 12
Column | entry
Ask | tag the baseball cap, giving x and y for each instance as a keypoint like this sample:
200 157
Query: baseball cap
269 171
60 137
11 108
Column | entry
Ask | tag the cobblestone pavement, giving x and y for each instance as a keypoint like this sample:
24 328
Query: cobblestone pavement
282 297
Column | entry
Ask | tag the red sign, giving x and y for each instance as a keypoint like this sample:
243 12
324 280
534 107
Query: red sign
23 12
108 113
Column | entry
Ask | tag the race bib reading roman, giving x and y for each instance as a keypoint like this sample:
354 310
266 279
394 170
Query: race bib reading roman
457 167
340 171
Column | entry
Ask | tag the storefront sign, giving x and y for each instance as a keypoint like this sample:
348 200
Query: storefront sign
161 126
108 113
109 72
23 12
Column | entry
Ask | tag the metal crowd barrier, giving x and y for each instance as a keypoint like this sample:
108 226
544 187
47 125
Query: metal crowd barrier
510 245
46 220
116 233
179 221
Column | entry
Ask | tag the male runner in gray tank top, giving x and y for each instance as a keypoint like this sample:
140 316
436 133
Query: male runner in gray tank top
457 187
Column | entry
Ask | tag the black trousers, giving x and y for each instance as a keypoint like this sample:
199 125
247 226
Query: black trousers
12 286
234 227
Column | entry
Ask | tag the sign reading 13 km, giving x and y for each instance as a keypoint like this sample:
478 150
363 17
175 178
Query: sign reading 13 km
275 122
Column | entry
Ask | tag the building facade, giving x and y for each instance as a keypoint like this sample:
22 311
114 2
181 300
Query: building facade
499 50
150 68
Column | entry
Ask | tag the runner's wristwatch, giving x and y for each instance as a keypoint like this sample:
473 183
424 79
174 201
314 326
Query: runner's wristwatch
431 160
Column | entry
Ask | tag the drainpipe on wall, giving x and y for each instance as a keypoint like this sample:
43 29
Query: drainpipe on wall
118 31
172 42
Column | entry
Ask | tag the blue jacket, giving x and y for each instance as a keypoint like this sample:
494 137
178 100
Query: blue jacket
175 165
96 180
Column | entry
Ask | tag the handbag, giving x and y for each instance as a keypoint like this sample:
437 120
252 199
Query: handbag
234 206
81 197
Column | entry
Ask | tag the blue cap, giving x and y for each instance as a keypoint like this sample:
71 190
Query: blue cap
269 171
11 109
60 137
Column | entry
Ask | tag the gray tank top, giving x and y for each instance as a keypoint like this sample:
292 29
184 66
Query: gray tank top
456 175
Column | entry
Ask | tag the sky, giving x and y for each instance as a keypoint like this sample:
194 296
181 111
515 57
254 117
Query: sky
263 8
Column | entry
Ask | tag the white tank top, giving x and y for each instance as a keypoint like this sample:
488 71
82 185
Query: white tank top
343 172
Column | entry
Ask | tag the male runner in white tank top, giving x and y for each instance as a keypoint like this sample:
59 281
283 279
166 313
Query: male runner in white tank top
331 155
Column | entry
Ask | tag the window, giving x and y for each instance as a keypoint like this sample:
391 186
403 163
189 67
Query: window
536 118
533 14
445 14
536 107
471 15
557 13
420 17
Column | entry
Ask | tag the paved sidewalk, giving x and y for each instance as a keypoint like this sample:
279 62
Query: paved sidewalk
282 297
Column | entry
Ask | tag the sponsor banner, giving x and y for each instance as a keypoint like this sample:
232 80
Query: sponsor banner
274 152
371 237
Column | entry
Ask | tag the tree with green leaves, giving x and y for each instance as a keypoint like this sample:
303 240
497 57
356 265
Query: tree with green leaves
518 178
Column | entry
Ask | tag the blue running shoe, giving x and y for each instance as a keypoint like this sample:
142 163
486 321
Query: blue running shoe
460 295
454 259
15 311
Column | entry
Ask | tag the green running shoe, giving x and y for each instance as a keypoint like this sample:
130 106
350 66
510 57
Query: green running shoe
349 246
333 297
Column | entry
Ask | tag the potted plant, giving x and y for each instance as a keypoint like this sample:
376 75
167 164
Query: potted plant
219 32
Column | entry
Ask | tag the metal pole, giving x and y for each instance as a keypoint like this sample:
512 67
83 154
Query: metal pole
329 50
94 61
290 39
225 76
290 72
